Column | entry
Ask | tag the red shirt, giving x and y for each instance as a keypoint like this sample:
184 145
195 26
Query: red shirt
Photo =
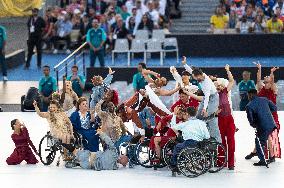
164 123
191 103
224 104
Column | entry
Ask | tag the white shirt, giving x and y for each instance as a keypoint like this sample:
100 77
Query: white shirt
162 7
207 86
154 16
193 129
129 4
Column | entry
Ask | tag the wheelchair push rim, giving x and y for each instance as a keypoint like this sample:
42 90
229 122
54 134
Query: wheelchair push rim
143 154
218 157
47 151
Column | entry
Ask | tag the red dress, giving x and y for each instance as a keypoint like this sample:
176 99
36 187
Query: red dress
22 150
270 95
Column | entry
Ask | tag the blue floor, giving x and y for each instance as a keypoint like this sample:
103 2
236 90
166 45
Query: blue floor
34 74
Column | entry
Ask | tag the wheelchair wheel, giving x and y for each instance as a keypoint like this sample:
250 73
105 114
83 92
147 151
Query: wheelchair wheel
168 152
143 154
47 149
191 162
218 157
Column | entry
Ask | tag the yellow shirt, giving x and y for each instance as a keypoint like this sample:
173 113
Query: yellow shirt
219 22
275 27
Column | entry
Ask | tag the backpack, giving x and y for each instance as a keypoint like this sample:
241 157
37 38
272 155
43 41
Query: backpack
32 95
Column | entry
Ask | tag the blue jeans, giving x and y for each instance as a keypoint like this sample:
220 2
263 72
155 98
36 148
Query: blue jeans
123 138
101 56
181 146
3 63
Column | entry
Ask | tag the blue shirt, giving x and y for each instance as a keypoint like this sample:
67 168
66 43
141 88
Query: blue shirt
244 87
146 114
193 129
139 81
3 36
63 28
47 85
96 37
76 84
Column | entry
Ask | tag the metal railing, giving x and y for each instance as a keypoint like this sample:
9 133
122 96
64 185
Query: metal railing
77 57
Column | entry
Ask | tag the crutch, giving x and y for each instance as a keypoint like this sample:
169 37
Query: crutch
266 164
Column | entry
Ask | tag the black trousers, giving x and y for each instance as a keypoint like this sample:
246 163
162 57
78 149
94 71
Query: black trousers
34 42
55 40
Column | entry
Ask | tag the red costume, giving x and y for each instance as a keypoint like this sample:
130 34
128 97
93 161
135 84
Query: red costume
270 95
227 126
191 103
22 150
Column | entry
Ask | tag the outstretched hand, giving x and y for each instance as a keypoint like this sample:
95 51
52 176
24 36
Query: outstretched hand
35 104
183 61
258 65
204 113
110 71
227 67
274 69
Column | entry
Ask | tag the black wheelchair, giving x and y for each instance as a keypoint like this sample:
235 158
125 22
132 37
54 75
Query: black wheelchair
50 146
208 156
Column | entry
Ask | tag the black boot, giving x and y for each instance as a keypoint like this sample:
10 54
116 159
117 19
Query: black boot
251 155
260 163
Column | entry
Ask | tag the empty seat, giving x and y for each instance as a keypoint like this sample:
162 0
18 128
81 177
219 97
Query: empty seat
171 45
121 46
158 34
137 46
142 35
155 46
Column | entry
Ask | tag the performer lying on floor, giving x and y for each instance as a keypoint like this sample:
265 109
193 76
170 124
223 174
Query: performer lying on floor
23 145
101 160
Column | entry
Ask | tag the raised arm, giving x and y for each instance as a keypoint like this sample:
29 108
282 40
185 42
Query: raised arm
164 92
146 73
258 77
274 87
192 95
230 77
175 74
109 77
98 110
41 114
187 68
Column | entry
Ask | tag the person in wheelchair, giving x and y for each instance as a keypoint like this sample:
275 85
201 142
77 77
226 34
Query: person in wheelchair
60 125
83 122
100 160
194 131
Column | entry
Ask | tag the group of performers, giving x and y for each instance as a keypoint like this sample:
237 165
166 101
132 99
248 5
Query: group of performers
202 111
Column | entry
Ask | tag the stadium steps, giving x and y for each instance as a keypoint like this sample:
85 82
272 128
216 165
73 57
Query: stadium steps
195 16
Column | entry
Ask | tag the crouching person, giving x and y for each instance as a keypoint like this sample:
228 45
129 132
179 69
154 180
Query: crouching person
101 160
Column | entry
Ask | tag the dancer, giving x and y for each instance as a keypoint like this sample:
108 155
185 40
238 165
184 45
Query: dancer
185 100
23 145
83 123
259 113
210 101
268 89
60 125
100 87
68 97
101 160
225 119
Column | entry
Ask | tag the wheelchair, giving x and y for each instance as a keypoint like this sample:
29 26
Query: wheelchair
208 156
50 146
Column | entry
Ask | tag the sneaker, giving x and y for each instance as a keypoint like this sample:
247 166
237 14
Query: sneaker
68 51
5 78
260 163
251 155
55 51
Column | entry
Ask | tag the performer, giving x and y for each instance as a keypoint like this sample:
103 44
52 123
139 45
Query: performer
60 125
101 160
100 87
68 97
83 122
23 145
210 101
225 119
269 90
259 113
185 101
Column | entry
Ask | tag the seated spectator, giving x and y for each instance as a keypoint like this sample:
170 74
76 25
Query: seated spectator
124 13
115 7
259 26
130 26
120 31
219 20
281 7
250 14
233 20
50 20
225 13
154 14
274 25
238 8
146 24
130 4
74 5
76 20
279 14
137 19
63 28
243 26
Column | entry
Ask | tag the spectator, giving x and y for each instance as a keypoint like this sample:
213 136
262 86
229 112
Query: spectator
84 26
279 14
130 5
146 24
243 26
64 3
154 14
274 25
238 8
259 26
233 20
47 85
130 26
36 25
113 6
244 86
250 14
139 81
63 28
3 38
124 13
74 5
120 31
76 20
96 38
219 20
280 5
50 20
78 81
137 20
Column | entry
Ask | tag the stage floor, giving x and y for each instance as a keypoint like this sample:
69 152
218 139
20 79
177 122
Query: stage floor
40 176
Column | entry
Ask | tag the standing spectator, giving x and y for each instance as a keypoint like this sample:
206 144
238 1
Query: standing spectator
274 25
139 81
78 81
3 38
244 86
47 85
63 29
96 38
84 26
36 25
244 26
50 20
219 20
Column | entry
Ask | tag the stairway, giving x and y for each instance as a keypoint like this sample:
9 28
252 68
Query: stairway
195 16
